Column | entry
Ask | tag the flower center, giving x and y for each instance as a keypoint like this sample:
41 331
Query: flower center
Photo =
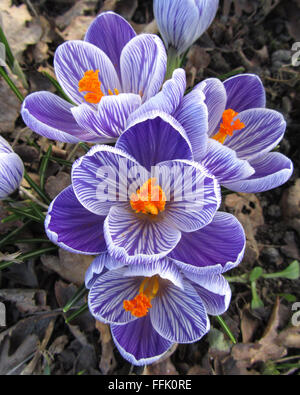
228 125
149 199
90 83
140 304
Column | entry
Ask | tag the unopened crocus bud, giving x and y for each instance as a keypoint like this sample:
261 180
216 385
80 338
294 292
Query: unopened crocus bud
11 169
182 22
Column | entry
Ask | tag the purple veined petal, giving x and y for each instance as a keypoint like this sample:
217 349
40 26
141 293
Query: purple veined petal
100 178
245 91
155 137
73 228
216 248
110 32
213 290
224 164
73 58
51 117
136 238
263 131
192 194
138 342
179 316
215 100
164 268
110 120
271 171
5 147
167 100
192 114
181 24
96 268
108 293
11 172
143 65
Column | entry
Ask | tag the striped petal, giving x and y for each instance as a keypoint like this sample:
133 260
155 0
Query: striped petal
143 66
51 116
224 163
135 238
73 58
245 91
108 293
138 342
263 131
192 114
216 248
153 138
215 100
100 178
213 290
271 171
110 32
110 120
193 195
73 228
179 316
168 99
11 172
95 269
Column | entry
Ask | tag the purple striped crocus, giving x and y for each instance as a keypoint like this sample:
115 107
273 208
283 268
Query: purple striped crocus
107 76
115 199
237 140
152 306
11 169
181 23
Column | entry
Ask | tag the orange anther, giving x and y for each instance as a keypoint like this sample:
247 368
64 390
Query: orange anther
228 125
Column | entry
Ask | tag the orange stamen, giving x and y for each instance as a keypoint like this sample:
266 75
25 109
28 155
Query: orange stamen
228 125
141 303
90 83
149 199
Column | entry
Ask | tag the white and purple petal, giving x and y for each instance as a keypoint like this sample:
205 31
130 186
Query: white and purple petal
213 290
216 248
134 238
192 114
96 268
11 171
215 100
73 58
179 315
100 178
110 119
110 32
50 116
193 195
168 99
143 66
264 129
224 163
245 91
138 342
108 293
73 228
153 138
271 171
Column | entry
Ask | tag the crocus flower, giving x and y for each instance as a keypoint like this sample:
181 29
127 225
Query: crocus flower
107 76
141 219
181 23
152 306
11 169
242 135
236 143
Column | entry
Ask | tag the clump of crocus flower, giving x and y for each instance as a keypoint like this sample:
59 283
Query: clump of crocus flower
148 207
